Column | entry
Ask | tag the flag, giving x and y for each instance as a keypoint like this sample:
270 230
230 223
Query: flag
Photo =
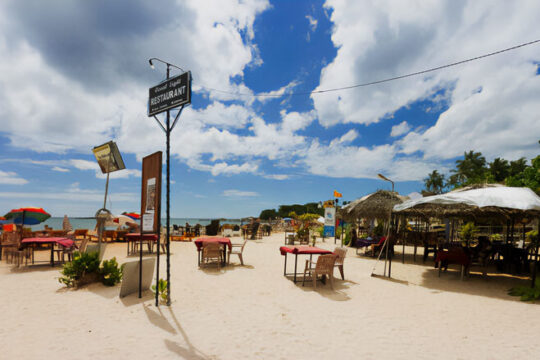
337 195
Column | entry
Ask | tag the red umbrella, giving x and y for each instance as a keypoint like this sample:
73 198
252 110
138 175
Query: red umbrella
27 216
133 215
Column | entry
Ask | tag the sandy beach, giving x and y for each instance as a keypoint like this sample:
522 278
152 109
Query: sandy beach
254 312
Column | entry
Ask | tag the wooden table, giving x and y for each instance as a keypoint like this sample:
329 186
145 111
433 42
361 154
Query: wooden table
300 250
65 242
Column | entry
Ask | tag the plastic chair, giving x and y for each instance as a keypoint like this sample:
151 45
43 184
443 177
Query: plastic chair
211 251
340 253
237 249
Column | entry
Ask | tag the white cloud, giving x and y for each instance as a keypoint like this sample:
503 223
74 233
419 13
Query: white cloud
400 129
11 178
383 39
312 22
277 176
59 169
239 193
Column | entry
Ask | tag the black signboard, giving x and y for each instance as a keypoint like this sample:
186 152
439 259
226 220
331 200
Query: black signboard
171 93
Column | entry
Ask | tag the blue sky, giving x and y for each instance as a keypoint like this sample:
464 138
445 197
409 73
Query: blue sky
77 76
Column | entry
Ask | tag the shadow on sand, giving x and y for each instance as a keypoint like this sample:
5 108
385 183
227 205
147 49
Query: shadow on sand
187 351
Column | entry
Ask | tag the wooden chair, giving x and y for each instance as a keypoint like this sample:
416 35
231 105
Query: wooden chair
237 249
211 251
109 235
340 253
80 233
323 266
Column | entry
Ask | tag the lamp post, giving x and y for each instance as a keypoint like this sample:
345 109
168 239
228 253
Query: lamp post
167 130
381 176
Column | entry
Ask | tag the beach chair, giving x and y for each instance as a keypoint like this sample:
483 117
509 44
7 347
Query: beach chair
340 253
324 267
237 249
212 252
80 233
227 232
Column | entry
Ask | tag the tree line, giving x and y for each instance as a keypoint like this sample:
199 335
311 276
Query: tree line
284 211
474 169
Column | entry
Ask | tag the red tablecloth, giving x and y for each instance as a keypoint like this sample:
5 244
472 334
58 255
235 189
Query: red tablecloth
453 256
303 249
137 237
222 240
49 240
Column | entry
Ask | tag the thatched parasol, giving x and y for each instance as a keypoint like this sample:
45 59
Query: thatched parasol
488 200
377 205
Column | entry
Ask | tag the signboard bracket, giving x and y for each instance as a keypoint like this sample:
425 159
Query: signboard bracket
159 123
176 118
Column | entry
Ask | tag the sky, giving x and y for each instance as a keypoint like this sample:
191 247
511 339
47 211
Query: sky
75 75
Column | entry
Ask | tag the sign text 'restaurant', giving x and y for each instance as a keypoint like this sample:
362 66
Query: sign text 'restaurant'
172 93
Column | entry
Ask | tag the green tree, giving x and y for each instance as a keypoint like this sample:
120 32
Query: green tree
268 214
471 170
434 183
499 169
529 177
517 166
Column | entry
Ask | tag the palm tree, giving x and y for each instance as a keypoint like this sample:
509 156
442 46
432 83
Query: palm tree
499 169
471 170
434 183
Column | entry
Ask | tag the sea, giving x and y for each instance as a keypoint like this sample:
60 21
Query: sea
90 223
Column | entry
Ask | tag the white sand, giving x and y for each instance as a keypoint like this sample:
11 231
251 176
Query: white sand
253 312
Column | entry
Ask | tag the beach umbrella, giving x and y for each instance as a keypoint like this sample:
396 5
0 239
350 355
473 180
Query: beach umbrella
133 215
27 216
118 220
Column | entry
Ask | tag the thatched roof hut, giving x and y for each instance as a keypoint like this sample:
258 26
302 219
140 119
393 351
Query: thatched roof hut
377 205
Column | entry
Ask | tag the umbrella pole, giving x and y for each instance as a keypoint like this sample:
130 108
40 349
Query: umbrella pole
535 266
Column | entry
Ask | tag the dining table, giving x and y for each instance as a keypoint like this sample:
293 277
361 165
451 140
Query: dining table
133 238
300 250
61 241
199 243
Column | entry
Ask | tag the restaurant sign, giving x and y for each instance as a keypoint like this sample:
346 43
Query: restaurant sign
169 94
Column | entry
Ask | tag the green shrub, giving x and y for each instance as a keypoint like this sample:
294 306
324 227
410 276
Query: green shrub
110 272
162 289
86 264
526 293
82 264
468 231
531 235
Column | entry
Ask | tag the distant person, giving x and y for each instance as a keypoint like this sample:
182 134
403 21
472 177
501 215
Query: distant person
354 237
132 227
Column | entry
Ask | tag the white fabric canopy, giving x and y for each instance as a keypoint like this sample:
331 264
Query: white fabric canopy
523 199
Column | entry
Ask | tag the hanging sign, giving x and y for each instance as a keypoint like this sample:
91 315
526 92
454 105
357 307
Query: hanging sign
108 157
329 221
169 94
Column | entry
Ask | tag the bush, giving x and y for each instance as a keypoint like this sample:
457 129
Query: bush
85 268
526 293
82 264
162 289
110 272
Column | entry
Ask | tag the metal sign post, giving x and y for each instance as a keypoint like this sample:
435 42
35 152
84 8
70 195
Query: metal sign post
173 92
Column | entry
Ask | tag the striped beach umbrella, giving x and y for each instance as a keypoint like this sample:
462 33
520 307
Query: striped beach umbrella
133 215
27 216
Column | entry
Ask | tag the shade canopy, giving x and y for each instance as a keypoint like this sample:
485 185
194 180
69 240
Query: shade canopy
488 201
27 216
377 205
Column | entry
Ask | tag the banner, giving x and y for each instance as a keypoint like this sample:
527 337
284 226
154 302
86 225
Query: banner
151 193
329 221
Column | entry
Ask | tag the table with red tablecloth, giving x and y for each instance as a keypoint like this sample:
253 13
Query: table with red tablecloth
452 256
65 242
199 243
133 238
300 250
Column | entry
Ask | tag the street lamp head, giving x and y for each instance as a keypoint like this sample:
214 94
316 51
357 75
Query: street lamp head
151 64
381 176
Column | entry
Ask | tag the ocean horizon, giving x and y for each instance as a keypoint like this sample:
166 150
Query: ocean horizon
90 222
